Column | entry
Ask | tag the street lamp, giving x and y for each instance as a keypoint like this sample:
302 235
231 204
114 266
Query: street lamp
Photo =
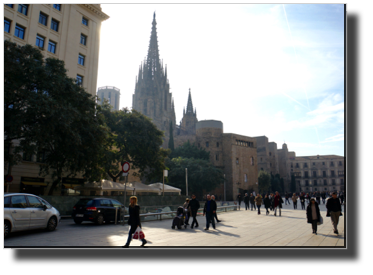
186 180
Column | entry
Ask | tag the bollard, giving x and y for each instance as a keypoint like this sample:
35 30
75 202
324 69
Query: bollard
116 215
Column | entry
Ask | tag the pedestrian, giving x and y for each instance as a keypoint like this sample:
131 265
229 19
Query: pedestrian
258 201
134 220
286 198
186 211
334 210
323 196
313 214
341 197
209 209
267 203
252 201
302 200
194 206
215 216
239 199
246 201
278 203
272 199
318 198
294 198
308 197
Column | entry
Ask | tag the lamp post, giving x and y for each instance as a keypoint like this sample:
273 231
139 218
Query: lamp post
186 180
224 190
165 174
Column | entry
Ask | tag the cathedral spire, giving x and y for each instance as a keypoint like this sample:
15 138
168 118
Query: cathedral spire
152 61
190 104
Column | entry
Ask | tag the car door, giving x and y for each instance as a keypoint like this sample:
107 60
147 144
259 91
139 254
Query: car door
20 212
108 209
38 216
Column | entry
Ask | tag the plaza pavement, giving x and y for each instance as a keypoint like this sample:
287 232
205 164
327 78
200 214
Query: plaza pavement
242 228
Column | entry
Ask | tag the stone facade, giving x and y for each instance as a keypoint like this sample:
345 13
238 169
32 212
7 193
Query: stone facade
263 154
273 158
324 173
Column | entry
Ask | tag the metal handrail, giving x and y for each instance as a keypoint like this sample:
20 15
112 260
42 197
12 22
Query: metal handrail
174 212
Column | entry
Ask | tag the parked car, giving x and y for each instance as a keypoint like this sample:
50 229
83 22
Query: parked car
97 210
26 211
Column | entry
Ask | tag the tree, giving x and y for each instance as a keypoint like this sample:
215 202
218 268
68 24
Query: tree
46 112
293 187
276 183
134 138
188 150
264 182
202 175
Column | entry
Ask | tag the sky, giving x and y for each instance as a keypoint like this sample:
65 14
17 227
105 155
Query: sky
262 69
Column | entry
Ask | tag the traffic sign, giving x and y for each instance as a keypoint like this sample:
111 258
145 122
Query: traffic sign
9 178
125 167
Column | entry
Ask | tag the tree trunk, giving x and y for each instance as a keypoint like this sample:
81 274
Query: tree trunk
54 184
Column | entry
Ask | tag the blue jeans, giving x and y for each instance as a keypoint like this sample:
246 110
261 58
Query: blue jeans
130 238
210 218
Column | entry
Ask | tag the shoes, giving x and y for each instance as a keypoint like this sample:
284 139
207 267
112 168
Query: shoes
213 227
218 221
191 227
173 227
315 233
336 232
197 225
275 214
144 243
206 229
126 245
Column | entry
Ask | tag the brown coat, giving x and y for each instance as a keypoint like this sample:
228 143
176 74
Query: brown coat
258 200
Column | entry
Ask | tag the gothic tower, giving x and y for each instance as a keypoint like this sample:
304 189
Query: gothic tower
189 120
152 95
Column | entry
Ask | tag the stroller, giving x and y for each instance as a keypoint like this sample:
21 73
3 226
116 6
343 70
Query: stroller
179 220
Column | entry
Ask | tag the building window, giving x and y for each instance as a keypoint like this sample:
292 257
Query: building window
315 182
261 169
331 163
340 163
102 98
332 173
57 6
43 19
270 154
20 32
306 174
217 144
252 160
313 163
314 174
217 157
83 39
52 46
81 59
22 8
40 41
270 164
79 80
342 182
306 182
297 165
291 165
54 25
236 160
6 25
323 163
207 144
305 165
41 156
324 173
9 5
109 97
325 182
85 21
245 177
333 181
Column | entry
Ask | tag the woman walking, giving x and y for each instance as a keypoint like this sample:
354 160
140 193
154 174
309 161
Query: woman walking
313 214
294 198
258 200
134 220
302 200
267 204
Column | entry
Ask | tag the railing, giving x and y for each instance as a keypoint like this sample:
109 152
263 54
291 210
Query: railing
171 213
109 88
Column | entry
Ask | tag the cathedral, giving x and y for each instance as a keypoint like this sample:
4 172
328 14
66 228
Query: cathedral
152 95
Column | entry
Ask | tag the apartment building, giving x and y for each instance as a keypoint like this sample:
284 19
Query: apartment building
67 32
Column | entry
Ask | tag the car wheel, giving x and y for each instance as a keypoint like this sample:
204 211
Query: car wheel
52 224
7 228
77 221
100 219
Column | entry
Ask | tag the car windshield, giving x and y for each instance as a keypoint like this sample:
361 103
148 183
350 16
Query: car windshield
85 202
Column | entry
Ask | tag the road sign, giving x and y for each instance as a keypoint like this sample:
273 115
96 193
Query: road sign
125 167
9 178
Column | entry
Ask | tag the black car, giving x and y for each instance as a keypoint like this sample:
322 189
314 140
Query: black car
97 210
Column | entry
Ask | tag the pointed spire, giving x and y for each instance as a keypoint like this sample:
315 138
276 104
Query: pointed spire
190 104
152 61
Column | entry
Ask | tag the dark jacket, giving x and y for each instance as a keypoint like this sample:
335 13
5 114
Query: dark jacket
212 206
239 198
134 219
194 205
278 201
252 199
333 205
267 202
309 212
246 199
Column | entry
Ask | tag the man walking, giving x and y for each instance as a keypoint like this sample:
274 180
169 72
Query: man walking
246 201
239 199
278 203
215 216
334 210
252 201
209 210
194 206
294 198
302 200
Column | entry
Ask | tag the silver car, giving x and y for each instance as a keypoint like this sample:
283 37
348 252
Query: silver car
26 211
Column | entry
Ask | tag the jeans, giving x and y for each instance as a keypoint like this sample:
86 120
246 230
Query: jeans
258 206
295 204
194 222
314 226
253 204
210 218
246 206
302 204
267 212
279 209
335 219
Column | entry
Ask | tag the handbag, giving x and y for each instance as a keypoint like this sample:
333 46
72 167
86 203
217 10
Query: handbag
139 234
321 221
